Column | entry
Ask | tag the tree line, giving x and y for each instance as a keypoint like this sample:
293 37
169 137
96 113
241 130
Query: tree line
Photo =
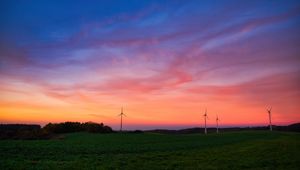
22 131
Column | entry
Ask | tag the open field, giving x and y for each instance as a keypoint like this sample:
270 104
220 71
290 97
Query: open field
230 150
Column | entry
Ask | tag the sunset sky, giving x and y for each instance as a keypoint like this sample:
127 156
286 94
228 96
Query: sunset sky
163 61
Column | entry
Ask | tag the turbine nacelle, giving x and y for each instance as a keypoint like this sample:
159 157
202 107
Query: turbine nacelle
205 114
121 114
269 109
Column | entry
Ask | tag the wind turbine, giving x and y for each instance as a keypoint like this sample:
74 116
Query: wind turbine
217 121
121 115
270 117
205 116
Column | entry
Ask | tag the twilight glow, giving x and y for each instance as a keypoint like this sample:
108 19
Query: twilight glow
163 61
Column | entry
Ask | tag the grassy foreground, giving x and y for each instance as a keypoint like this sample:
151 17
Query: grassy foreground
234 150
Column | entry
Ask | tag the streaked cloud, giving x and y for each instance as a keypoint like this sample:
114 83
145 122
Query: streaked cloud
164 62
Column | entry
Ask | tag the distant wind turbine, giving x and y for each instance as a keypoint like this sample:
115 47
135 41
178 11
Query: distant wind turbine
217 121
121 115
270 117
205 116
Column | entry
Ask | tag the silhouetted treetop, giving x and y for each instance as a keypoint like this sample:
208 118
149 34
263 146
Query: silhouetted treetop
67 127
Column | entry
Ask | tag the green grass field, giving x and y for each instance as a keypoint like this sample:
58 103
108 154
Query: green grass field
231 150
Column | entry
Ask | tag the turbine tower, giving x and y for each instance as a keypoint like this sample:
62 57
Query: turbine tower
121 115
205 116
217 121
270 117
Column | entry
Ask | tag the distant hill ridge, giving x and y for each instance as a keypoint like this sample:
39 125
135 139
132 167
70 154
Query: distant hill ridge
292 128
31 131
